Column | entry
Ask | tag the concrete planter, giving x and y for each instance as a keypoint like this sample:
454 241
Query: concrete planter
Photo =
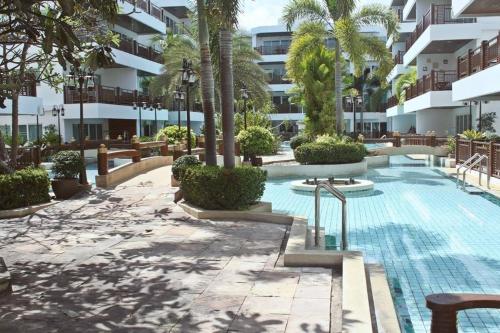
174 182
320 171
65 188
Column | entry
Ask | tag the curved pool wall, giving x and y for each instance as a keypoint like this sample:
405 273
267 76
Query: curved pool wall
430 236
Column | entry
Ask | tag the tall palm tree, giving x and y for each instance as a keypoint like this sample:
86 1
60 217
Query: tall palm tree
227 13
343 22
207 85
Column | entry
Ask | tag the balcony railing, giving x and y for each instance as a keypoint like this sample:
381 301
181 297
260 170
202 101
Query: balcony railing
278 79
131 46
437 14
287 108
29 85
436 81
269 50
108 95
392 101
482 57
398 58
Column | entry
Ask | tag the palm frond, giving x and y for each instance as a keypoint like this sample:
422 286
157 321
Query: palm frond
376 14
310 10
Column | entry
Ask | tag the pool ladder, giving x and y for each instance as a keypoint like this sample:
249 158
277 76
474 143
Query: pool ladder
337 194
476 159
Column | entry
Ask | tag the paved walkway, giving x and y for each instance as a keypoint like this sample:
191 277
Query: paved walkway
128 260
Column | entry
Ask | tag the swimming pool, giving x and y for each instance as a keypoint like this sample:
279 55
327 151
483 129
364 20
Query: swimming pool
430 236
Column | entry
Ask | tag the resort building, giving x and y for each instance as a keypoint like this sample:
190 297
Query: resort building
273 42
109 102
447 43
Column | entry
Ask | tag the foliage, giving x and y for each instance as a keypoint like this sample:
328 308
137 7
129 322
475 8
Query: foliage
487 122
278 140
299 140
330 153
67 164
405 81
313 73
213 187
23 188
258 117
472 135
50 136
333 139
174 135
256 141
451 144
182 164
148 138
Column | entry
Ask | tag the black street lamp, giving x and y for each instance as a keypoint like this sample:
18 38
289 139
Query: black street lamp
244 96
188 79
138 105
58 111
354 101
39 113
155 107
84 79
178 98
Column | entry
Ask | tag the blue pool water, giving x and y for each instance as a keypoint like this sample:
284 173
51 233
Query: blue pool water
430 236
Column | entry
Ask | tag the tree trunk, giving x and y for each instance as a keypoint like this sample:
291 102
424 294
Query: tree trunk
207 86
15 130
339 112
227 95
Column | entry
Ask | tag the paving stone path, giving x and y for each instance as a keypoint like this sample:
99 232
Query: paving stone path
128 260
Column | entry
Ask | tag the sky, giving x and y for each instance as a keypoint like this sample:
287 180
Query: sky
268 12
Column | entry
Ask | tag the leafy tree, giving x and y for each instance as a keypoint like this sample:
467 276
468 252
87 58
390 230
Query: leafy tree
259 118
37 35
405 81
340 20
487 122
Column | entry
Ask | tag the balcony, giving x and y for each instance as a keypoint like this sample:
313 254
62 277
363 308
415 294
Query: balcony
148 7
278 79
272 50
288 108
436 81
437 14
476 69
399 68
398 58
392 101
476 7
479 59
132 47
28 88
108 95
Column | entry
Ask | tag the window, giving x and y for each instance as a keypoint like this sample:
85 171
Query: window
276 100
463 123
92 131
23 133
33 133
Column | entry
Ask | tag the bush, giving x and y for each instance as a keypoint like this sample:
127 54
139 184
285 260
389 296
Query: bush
24 188
329 139
216 188
472 135
256 141
299 140
174 135
182 164
67 164
327 153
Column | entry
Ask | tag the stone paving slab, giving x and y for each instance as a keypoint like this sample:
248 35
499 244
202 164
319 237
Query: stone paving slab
129 260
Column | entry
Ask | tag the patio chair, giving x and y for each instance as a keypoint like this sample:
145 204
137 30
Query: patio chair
444 308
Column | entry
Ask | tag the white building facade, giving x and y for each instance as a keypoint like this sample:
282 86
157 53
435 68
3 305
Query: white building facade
273 42
109 105
444 47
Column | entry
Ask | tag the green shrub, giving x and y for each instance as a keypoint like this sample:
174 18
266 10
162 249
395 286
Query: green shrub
182 164
174 135
299 140
256 141
451 144
23 188
216 188
327 153
67 164
472 135
333 139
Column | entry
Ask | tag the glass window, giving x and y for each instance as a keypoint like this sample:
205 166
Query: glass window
33 133
277 100
23 133
367 127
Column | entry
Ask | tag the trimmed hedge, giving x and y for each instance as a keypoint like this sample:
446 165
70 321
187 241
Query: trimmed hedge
328 153
299 140
256 141
216 188
23 188
175 135
182 164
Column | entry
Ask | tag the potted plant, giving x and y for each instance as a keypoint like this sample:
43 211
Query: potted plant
256 141
180 166
66 167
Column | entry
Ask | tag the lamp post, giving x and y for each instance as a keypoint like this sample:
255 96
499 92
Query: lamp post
58 111
84 79
178 98
138 105
244 96
354 101
155 107
39 113
188 79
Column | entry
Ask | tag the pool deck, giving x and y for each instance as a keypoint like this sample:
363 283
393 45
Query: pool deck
129 260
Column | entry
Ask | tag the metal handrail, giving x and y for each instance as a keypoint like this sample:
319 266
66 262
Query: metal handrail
479 160
337 194
464 165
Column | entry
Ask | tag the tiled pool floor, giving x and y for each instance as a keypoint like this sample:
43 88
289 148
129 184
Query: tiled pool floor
430 236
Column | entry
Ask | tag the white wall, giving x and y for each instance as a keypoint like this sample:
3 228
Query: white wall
125 78
402 123
442 121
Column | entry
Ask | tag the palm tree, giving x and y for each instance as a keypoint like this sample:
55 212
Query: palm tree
207 85
405 81
342 22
